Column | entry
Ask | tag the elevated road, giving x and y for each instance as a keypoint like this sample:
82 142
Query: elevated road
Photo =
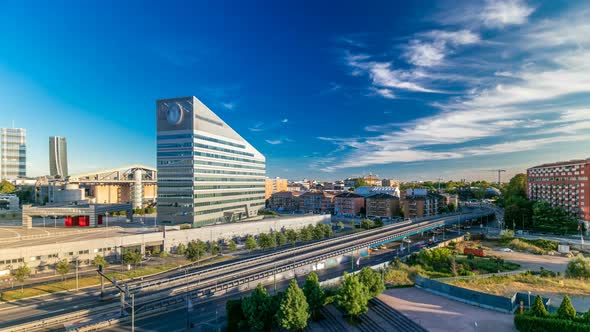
166 291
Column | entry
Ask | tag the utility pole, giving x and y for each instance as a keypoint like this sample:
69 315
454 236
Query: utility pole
77 283
132 312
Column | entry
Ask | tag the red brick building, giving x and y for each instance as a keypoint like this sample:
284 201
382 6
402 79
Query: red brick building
348 204
562 184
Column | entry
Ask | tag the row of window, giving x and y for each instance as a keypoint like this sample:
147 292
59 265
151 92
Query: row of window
227 208
211 147
218 156
210 139
229 194
247 199
218 171
213 163
198 178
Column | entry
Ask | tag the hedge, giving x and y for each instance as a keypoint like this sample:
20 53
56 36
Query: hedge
527 323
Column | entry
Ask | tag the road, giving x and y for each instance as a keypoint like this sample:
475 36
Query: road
50 306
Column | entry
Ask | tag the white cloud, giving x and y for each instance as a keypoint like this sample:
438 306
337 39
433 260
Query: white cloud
274 141
500 13
285 120
437 45
229 106
257 127
385 93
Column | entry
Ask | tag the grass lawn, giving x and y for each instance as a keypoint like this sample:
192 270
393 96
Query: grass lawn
508 285
70 283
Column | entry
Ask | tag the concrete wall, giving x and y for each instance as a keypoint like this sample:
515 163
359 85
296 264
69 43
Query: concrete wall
43 255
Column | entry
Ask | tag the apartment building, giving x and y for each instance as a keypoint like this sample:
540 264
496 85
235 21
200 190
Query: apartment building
383 205
285 201
348 204
316 202
419 203
562 184
13 153
275 185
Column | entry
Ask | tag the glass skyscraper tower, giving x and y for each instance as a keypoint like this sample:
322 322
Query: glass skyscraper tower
13 153
207 173
58 156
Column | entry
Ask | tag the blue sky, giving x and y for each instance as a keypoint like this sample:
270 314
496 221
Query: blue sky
324 89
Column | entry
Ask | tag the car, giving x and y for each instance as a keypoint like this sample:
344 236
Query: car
505 250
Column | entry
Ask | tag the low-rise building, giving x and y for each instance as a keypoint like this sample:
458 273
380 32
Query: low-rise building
389 183
450 199
419 203
383 205
316 202
348 204
8 203
367 191
285 201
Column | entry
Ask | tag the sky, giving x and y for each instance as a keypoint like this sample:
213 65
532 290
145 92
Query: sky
410 90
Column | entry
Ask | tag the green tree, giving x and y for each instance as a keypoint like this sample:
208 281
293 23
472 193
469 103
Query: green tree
99 261
314 294
232 246
180 249
305 234
266 241
195 250
293 311
318 232
378 222
516 187
236 320
291 235
353 296
21 274
6 187
340 225
257 309
132 257
467 236
280 239
578 267
367 224
586 317
251 243
360 183
566 310
213 248
372 280
63 268
538 308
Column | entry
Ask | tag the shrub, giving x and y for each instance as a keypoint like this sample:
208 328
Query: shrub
518 244
538 309
528 323
578 267
507 236
566 310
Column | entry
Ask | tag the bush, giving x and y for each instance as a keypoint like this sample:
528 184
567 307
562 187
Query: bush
544 244
235 316
507 236
180 249
578 267
538 309
566 310
529 323
518 244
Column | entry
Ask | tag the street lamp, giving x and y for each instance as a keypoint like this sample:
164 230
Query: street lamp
132 312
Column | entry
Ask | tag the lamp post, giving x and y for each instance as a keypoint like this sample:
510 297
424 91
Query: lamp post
187 298
43 221
529 300
77 284
132 312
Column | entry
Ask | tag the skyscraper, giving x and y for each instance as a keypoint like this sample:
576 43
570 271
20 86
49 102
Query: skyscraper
58 156
13 153
207 173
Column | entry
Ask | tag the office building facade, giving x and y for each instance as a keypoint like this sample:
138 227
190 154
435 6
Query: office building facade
207 173
58 157
274 186
13 153
562 184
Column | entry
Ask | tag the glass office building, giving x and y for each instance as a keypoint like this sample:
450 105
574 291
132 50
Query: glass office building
58 156
13 153
207 173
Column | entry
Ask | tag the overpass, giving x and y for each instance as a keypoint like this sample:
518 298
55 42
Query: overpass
162 293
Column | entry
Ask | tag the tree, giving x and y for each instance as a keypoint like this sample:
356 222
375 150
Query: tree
318 232
291 235
99 261
467 236
516 187
372 280
378 222
340 225
367 224
213 248
353 296
280 239
195 250
293 311
236 320
578 267
251 243
6 187
232 246
305 234
538 309
21 274
132 257
360 183
256 308
63 267
566 310
266 241
180 249
314 294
